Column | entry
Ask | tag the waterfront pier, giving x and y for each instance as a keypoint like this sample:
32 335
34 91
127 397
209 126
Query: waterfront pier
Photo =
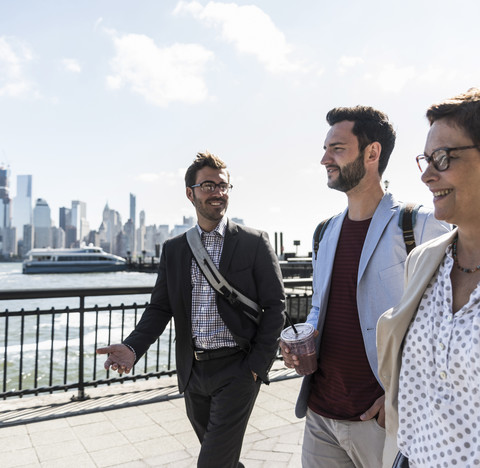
142 424
59 407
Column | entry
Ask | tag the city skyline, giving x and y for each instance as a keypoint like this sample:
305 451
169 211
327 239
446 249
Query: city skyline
28 223
102 99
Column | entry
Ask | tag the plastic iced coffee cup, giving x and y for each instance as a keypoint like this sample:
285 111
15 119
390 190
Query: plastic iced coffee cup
302 344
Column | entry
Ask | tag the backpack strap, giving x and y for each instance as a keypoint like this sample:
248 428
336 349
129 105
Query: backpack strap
406 221
318 234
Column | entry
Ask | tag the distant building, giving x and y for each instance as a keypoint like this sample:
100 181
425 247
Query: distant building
141 233
121 245
79 221
22 204
42 224
109 229
131 235
5 201
27 243
8 242
93 238
65 223
58 238
188 222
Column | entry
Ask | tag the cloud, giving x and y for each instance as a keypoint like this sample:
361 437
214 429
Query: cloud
160 74
392 78
71 65
14 57
249 29
147 177
166 178
344 63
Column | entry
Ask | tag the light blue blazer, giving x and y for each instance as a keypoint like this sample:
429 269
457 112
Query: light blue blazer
380 274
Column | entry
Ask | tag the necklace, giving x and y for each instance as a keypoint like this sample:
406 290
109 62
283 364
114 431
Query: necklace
454 255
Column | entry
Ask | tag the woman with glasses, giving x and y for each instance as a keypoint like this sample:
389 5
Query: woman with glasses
429 345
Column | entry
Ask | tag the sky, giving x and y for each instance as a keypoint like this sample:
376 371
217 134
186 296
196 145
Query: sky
103 98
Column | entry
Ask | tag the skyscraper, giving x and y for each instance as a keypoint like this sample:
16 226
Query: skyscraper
22 204
5 202
79 219
110 228
133 207
130 226
42 223
65 222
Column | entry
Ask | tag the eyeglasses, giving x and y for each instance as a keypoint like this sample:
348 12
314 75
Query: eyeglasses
440 158
209 187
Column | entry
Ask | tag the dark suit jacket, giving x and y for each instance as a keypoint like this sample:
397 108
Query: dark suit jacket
249 264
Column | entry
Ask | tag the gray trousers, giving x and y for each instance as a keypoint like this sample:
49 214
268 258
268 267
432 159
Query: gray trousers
331 443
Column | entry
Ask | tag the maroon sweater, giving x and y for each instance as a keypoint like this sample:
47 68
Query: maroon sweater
344 386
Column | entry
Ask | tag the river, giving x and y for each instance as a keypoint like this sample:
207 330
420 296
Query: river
12 278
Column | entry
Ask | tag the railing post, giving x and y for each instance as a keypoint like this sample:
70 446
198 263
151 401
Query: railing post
81 382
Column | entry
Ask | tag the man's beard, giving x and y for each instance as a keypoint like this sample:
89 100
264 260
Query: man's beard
350 175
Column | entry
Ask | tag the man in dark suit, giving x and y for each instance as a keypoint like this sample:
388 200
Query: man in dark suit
222 355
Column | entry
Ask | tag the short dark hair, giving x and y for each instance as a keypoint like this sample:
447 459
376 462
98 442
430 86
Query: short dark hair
462 110
203 160
369 125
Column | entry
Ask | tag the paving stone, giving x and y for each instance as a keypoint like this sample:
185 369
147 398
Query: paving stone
115 456
141 434
134 464
43 426
77 460
93 429
165 459
267 456
18 457
61 449
57 435
188 438
15 442
12 431
159 446
268 421
104 441
82 419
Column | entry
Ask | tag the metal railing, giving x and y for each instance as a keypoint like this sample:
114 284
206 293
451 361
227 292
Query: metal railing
48 349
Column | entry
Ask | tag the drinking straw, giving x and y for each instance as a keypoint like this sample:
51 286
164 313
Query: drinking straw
289 320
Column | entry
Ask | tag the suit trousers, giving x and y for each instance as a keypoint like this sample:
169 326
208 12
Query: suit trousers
219 399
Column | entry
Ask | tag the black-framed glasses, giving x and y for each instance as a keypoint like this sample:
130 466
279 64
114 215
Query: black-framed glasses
440 158
209 186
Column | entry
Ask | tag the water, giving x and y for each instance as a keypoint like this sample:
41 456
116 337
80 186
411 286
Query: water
12 278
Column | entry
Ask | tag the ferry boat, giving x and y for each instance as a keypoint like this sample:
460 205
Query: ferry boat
89 259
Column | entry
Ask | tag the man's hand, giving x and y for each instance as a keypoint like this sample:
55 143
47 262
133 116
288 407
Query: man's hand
120 358
289 359
378 408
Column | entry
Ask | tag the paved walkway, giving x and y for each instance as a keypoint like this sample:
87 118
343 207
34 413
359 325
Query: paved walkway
131 428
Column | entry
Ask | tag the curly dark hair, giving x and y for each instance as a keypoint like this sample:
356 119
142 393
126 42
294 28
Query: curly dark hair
369 125
203 160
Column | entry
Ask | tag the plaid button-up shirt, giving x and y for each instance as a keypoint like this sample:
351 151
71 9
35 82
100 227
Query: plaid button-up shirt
208 329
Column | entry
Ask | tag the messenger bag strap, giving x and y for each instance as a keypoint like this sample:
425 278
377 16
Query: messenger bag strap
216 280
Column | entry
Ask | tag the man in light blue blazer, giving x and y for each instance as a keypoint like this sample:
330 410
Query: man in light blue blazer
357 275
